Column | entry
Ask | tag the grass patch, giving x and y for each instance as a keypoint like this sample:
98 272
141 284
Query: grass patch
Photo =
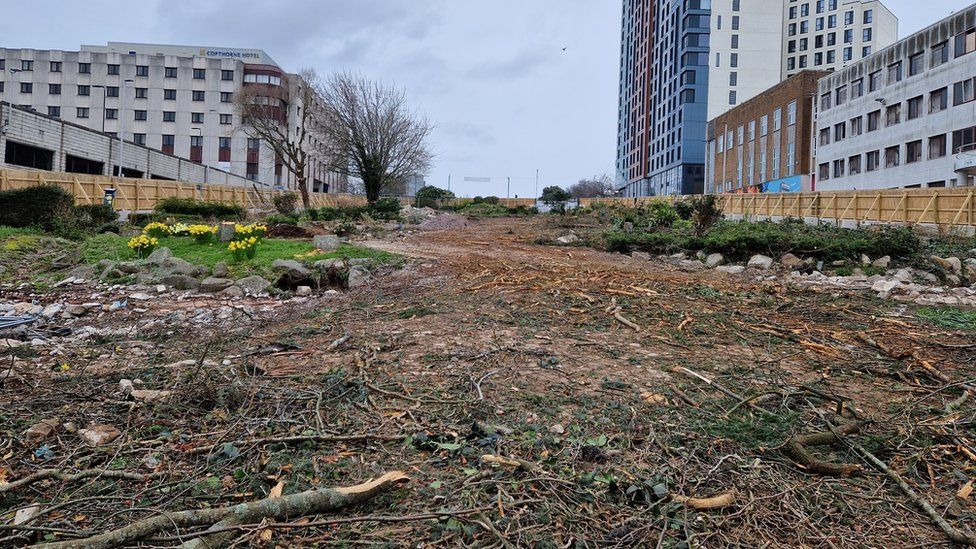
10 232
950 318
114 248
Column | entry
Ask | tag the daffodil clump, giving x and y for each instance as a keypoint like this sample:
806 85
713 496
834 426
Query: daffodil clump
143 245
245 232
244 249
204 234
179 229
156 230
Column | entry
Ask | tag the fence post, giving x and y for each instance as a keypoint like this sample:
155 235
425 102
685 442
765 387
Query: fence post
937 213
135 191
3 180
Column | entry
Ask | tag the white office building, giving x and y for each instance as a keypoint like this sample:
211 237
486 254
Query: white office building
833 34
904 117
176 99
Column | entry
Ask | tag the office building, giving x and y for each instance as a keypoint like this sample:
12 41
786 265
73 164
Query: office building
905 116
832 34
176 99
764 144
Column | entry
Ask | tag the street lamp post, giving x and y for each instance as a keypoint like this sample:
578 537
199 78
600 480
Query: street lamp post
125 85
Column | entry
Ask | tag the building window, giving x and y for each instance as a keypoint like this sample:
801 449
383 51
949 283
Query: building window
915 107
55 66
112 91
868 16
735 41
839 168
3 64
894 73
111 114
226 119
825 136
791 114
776 158
873 160
169 116
734 60
764 125
939 100
113 70
742 135
963 92
142 93
874 120
966 42
199 74
196 118
142 70
865 51
940 54
54 89
170 72
854 165
141 115
82 112
255 144
227 76
866 35
857 88
937 147
227 97
733 78
840 132
857 126
168 143
840 96
752 130
26 65
874 81
199 95
913 152
54 111
139 139
892 157
790 159
777 120
26 87
84 68
824 171
893 115
916 64
169 95
963 140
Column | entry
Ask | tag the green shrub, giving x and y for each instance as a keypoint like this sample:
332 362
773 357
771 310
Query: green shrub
43 206
285 203
684 209
429 196
484 209
210 210
279 219
95 215
705 212
386 209
662 214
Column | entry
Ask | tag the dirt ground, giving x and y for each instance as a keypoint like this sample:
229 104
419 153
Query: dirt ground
488 344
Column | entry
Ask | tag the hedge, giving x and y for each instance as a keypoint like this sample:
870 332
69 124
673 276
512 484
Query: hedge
189 206
43 206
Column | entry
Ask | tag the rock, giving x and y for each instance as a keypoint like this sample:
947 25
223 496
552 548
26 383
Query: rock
557 429
882 263
296 269
40 431
303 291
359 276
82 272
951 264
700 255
641 256
731 269
98 435
159 255
327 264
691 265
953 280
126 386
792 262
253 285
903 275
25 515
865 260
227 231
140 296
363 262
714 260
160 289
128 267
838 263
213 285
679 256
146 395
233 291
75 310
627 227
176 265
761 262
221 270
52 310
568 239
885 286
969 273
326 242
181 282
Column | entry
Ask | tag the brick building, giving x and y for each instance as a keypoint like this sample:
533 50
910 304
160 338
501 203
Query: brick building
765 144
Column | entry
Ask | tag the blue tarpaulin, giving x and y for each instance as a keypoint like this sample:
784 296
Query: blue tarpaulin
786 185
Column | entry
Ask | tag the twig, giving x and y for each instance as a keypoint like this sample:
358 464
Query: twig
477 384
796 449
302 438
44 474
339 342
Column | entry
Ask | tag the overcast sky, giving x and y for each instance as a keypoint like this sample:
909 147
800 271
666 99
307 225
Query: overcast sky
492 75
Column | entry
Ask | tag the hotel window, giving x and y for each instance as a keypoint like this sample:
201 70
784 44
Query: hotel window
825 136
818 59
832 39
792 29
168 142
84 68
224 149
139 139
142 93
848 54
54 89
854 165
141 115
169 116
916 63
839 168
940 54
54 111
849 36
939 100
866 35
873 160
874 81
857 88
804 27
913 152
824 172
868 16
831 21
26 65
849 18
196 118
199 95
142 70
966 42
840 132
733 60
819 24
840 95
26 87
893 156
792 12
874 120
55 66
791 63
735 41
111 114
937 147
964 139
865 51
170 72
113 70
199 74
820 6
112 91
831 56
226 119
803 61
915 107
963 92
227 97
169 95
894 73
227 76
893 115
82 112
857 126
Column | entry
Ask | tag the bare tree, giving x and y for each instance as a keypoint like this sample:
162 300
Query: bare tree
597 186
264 114
371 134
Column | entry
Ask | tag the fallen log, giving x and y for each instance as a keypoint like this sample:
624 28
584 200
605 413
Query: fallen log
44 474
312 502
796 450
706 504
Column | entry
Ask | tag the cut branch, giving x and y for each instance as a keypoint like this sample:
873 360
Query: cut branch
45 474
796 449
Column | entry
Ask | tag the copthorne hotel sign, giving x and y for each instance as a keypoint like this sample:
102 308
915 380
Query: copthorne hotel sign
244 55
